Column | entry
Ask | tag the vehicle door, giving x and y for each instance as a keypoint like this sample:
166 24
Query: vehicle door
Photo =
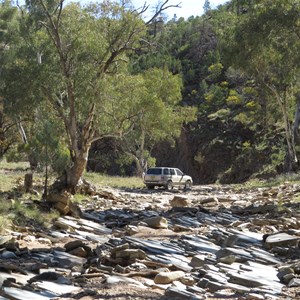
179 177
174 176
166 175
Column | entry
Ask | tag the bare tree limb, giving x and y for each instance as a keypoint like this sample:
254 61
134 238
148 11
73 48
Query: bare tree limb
162 8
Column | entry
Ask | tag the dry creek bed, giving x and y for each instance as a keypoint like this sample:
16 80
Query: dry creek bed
211 242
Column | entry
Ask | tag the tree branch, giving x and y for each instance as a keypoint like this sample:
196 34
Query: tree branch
162 8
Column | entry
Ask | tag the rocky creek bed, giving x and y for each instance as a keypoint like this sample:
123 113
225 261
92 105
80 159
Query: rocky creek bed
211 242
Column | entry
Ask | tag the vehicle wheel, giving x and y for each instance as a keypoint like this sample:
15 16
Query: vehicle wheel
188 185
169 185
150 186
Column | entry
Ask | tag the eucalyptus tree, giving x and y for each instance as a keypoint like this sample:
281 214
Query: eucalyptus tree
87 46
73 58
266 43
8 36
156 95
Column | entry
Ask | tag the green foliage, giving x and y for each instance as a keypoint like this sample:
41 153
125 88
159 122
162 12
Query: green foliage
215 95
246 146
153 101
241 118
145 82
215 71
234 98
221 114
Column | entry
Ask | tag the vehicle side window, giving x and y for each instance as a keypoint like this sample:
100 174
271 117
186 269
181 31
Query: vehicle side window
179 173
172 171
154 171
166 171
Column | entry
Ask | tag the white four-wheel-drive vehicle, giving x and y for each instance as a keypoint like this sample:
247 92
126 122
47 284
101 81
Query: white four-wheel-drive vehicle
167 177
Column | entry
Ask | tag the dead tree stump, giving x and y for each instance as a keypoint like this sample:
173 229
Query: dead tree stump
28 182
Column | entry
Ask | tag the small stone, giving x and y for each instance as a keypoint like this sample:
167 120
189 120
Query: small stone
5 238
213 286
209 201
253 296
116 249
179 201
198 261
73 245
156 222
46 276
80 252
8 255
295 282
188 280
168 277
287 278
62 225
44 241
229 259
283 272
131 230
108 268
130 254
119 269
231 240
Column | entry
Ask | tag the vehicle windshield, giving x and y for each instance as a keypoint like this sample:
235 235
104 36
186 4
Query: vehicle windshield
154 171
179 173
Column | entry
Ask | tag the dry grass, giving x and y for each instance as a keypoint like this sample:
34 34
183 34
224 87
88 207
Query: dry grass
11 173
114 181
19 208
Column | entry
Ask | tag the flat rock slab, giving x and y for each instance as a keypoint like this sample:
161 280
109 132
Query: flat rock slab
280 239
17 276
266 257
237 287
18 294
56 288
175 293
240 254
115 279
245 280
186 221
200 244
95 226
179 261
60 259
90 236
155 246
5 238
247 237
67 260
254 275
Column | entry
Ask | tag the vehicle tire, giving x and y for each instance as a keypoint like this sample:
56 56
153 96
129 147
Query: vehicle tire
150 186
169 185
188 185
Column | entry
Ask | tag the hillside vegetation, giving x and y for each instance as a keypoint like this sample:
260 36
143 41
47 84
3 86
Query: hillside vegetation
216 95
